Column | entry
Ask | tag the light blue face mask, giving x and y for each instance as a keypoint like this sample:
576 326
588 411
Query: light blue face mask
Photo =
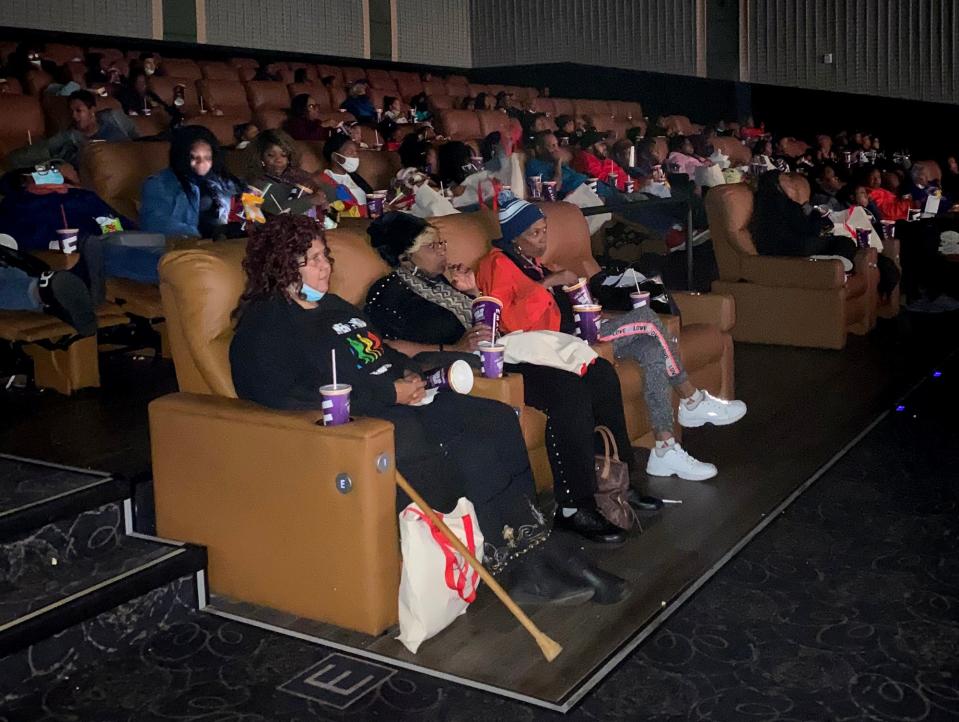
311 294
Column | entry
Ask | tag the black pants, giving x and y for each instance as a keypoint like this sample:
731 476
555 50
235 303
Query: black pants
574 406
924 270
465 446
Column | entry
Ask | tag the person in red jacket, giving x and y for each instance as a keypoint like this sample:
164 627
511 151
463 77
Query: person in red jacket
891 206
533 300
592 158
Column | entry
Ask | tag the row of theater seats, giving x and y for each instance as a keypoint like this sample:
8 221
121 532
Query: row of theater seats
204 434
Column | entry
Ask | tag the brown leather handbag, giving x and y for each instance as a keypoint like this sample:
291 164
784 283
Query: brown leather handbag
612 484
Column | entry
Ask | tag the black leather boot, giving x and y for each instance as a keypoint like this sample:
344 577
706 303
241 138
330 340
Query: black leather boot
65 296
566 557
531 580
589 523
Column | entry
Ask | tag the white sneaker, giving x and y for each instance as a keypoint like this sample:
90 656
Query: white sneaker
675 460
711 410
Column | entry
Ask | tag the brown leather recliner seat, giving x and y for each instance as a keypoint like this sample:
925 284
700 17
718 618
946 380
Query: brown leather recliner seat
227 96
459 124
267 94
215 70
165 87
779 300
21 120
295 516
733 147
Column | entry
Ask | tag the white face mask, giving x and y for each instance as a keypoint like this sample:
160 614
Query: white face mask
349 164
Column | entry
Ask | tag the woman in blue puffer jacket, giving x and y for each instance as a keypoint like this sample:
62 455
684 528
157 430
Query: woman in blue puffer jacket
191 198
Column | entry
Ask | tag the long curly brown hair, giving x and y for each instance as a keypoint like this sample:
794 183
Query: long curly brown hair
274 254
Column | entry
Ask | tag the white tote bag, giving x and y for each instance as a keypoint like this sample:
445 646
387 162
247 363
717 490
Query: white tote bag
437 583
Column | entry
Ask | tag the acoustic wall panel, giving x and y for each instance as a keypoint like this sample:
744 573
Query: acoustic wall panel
123 18
897 48
653 35
326 27
433 32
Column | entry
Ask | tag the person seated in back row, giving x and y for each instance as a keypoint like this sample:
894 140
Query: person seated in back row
358 103
350 188
286 187
87 125
784 224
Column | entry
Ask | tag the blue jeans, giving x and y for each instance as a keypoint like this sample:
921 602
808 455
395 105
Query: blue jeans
18 291
135 263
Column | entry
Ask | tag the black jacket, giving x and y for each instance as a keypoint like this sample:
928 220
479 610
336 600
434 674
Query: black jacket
280 355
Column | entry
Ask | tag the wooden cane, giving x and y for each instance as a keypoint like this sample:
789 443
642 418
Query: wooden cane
550 648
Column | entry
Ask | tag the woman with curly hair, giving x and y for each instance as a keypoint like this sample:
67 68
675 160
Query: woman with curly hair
286 187
447 445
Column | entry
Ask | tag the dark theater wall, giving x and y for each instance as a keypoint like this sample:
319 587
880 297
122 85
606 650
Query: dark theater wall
897 48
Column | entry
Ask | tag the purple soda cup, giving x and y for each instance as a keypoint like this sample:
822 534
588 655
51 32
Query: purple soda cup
630 185
639 299
67 239
535 187
862 237
492 355
458 376
888 229
374 203
336 404
593 183
486 310
587 319
549 191
579 293
612 179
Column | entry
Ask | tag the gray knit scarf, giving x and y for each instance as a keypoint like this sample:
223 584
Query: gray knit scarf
440 293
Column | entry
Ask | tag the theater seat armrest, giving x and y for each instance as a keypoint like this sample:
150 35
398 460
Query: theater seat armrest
865 258
789 272
891 249
295 516
56 260
507 390
716 308
247 412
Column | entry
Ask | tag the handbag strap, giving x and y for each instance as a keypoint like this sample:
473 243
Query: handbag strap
456 582
611 449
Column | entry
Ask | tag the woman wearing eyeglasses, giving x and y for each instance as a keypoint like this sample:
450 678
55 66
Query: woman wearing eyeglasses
305 122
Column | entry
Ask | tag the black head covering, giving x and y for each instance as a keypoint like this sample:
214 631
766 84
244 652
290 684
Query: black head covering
393 235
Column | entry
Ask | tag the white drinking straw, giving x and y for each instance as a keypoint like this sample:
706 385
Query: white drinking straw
376 133
493 338
29 138
333 361
636 281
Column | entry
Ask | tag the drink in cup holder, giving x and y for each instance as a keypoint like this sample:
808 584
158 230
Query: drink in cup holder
549 191
67 239
862 237
639 299
587 319
492 355
535 187
336 404
374 204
